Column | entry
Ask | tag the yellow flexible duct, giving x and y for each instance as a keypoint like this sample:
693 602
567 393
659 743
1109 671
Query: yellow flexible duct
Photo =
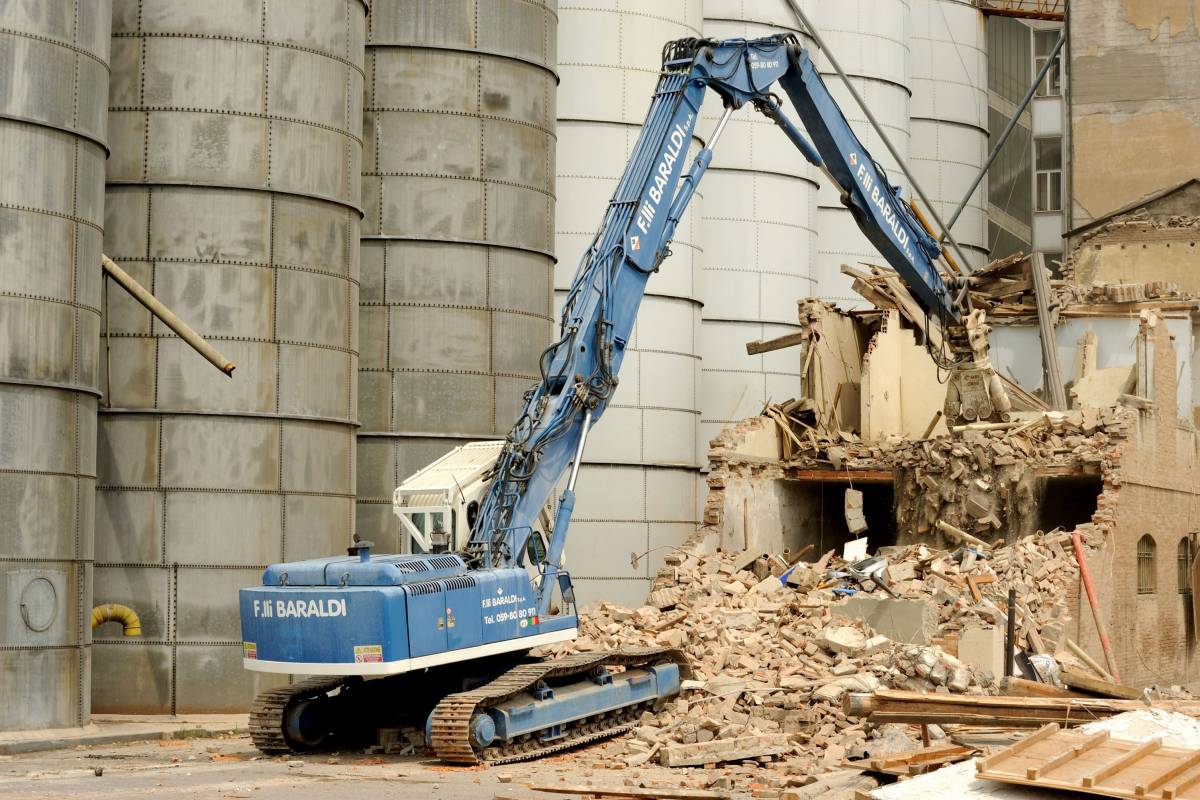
115 612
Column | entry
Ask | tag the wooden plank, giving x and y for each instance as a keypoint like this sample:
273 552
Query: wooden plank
1179 789
632 791
919 756
1142 789
1067 755
962 535
872 295
894 705
1086 683
1089 661
1029 741
1124 762
778 343
1021 397
1020 687
1050 365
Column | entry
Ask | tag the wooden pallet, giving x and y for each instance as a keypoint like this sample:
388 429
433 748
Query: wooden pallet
1054 758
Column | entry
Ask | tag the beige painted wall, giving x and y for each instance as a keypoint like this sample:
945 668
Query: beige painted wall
1134 100
900 387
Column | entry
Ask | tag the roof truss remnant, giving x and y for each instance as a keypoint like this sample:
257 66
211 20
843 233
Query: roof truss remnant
1054 10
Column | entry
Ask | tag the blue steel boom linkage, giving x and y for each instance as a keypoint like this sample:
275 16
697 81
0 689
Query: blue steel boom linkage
579 371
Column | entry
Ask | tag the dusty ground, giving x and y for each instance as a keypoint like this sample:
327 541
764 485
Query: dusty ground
230 767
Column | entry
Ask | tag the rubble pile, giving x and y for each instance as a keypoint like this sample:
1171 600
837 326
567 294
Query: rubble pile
774 649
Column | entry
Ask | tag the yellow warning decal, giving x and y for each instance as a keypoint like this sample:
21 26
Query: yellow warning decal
368 653
250 650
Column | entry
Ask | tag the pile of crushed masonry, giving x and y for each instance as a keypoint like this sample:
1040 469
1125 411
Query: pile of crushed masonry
772 659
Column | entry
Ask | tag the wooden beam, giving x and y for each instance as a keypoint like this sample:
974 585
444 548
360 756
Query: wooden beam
872 295
778 343
916 708
1021 687
842 476
1066 471
1086 683
1050 366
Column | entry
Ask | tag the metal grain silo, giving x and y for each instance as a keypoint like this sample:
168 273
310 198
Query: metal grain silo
760 238
457 264
233 193
949 113
869 38
638 489
53 86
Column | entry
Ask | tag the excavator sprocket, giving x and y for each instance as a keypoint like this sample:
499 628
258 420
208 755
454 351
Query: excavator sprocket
451 722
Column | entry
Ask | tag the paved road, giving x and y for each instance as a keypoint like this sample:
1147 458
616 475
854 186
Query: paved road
230 767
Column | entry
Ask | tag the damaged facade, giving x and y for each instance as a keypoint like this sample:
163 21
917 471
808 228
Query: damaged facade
1134 101
1120 467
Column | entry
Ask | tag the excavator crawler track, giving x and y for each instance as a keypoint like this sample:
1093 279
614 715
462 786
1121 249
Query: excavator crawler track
451 723
266 714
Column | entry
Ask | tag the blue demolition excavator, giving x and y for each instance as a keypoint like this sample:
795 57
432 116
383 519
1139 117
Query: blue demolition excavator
443 640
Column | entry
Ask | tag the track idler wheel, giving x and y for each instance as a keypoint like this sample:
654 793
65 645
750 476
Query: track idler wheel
308 722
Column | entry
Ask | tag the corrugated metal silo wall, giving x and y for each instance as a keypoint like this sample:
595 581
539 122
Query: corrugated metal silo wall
639 486
53 85
870 39
949 114
458 185
233 194
760 238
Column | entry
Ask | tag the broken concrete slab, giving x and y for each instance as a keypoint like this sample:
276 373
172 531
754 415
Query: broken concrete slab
720 750
906 621
982 648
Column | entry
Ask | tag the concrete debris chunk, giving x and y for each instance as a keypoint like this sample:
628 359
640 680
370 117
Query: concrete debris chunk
843 639
856 522
716 752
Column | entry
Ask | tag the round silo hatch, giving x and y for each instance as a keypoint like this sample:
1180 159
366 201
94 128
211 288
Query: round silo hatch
39 604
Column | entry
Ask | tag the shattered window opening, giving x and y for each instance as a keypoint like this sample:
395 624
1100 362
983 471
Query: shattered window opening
1145 562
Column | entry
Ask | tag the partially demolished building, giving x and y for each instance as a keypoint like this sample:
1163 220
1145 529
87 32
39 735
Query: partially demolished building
1118 467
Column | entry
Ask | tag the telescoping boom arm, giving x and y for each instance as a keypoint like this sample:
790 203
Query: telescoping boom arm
579 370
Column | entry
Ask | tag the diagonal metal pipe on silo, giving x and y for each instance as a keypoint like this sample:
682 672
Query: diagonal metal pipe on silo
233 195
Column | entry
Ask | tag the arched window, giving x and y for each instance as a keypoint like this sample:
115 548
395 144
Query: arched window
1183 554
1145 563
